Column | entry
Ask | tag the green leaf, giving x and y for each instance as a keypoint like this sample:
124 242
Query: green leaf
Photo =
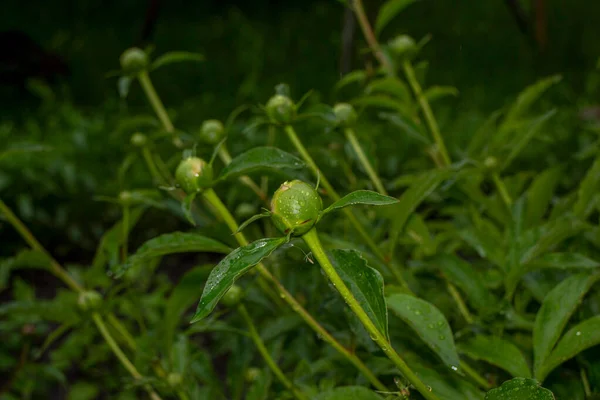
528 96
539 195
186 206
251 220
234 265
348 392
556 310
520 389
587 190
351 77
361 197
429 323
379 101
463 275
388 11
260 158
579 338
175 57
437 92
172 243
390 85
365 283
498 352
552 234
23 259
412 197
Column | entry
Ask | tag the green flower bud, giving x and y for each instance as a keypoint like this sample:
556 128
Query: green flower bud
212 131
194 174
345 114
133 60
252 374
281 109
295 207
125 197
403 47
233 296
138 139
490 162
89 300
174 379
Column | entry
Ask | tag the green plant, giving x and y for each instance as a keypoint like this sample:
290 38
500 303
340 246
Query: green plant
475 277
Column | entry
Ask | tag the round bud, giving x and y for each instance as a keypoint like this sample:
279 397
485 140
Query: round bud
212 131
345 114
194 174
133 60
281 109
252 374
295 207
89 300
174 379
139 139
233 296
490 162
125 197
403 47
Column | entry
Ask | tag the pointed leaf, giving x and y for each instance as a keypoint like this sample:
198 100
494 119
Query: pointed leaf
365 283
171 243
412 197
498 352
175 57
351 77
553 233
251 220
390 85
520 389
437 92
528 96
556 310
588 190
234 265
429 323
579 338
539 195
260 158
186 207
348 392
388 11
364 197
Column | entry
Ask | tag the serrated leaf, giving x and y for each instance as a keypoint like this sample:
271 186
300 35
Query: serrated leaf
429 323
520 389
234 265
365 283
388 11
172 243
361 197
175 57
412 197
498 352
579 338
348 392
556 310
463 275
260 158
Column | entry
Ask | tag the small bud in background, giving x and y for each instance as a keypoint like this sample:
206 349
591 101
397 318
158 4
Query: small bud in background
233 296
133 61
138 139
212 131
345 115
402 47
281 109
89 300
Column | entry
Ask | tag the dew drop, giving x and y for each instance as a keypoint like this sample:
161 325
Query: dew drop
431 326
454 368
577 333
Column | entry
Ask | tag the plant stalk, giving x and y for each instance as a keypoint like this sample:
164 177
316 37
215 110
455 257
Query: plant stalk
502 190
216 202
369 35
260 345
462 307
120 355
246 180
155 101
311 238
125 232
56 268
291 133
481 381
362 157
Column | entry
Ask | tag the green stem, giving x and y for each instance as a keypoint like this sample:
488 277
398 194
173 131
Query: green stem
365 26
125 232
462 307
429 118
155 101
586 383
291 133
480 380
362 157
118 326
120 355
312 240
260 345
56 268
156 175
226 158
502 190
216 202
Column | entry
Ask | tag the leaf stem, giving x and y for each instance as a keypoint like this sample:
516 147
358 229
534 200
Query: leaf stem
362 157
20 227
502 190
155 101
312 240
260 345
480 380
429 117
462 307
120 355
370 37
246 180
156 175
125 232
216 202
118 326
